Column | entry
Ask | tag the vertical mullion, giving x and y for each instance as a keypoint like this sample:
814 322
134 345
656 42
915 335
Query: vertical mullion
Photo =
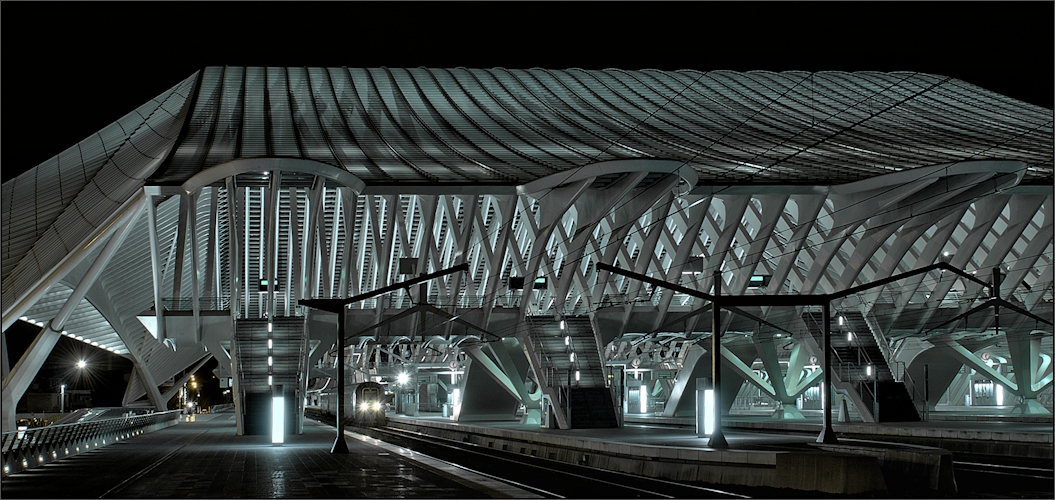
234 247
293 286
211 259
331 260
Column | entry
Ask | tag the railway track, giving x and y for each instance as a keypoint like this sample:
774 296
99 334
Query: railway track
1001 475
975 475
545 477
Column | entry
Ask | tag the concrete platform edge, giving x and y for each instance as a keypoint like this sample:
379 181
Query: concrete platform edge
831 472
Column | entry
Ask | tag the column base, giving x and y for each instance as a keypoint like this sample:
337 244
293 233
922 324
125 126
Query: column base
532 416
1030 407
788 413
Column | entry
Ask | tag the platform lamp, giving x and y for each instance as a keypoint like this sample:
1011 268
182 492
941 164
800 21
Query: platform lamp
278 415
705 408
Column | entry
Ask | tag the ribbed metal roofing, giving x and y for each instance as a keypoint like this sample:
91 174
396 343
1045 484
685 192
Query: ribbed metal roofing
514 126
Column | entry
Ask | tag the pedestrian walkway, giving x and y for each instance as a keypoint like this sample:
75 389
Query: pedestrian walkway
206 459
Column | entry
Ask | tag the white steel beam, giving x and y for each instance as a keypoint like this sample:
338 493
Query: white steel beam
195 281
86 247
21 375
234 234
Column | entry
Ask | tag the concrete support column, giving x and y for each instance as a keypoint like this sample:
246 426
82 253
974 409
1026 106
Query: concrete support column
155 265
153 394
195 276
236 386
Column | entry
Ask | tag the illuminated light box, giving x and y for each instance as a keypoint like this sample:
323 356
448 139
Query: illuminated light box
278 416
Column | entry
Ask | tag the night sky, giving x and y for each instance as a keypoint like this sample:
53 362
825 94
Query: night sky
70 69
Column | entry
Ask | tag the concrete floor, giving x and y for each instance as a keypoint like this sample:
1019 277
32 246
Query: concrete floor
205 459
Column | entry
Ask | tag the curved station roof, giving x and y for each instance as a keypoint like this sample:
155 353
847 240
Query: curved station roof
836 179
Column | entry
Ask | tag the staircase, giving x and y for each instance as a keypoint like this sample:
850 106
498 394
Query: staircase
287 353
556 355
859 362
584 379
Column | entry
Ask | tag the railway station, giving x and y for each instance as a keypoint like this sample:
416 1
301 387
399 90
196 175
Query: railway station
712 283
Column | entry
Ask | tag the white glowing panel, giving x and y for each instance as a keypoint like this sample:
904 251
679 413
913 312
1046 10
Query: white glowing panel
644 399
278 419
708 412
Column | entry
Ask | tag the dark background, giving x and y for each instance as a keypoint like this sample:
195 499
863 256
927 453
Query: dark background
70 69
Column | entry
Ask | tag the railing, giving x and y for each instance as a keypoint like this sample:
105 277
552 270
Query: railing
221 407
915 393
615 375
25 449
863 389
204 303
464 302
867 359
878 336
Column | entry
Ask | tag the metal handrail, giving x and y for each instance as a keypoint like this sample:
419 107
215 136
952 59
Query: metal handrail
860 352
24 449
220 303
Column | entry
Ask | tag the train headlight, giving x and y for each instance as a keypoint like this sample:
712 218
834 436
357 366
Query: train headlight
364 406
376 405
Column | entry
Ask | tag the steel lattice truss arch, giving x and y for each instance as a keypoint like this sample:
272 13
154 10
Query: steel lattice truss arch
354 244
782 235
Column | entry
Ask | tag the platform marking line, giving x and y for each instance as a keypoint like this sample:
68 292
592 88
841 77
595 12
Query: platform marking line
539 466
625 474
511 488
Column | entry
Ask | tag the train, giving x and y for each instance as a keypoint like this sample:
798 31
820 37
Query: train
365 404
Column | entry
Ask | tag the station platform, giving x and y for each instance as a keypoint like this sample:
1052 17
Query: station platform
946 425
762 452
204 458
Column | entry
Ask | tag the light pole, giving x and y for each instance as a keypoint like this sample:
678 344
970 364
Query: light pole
82 365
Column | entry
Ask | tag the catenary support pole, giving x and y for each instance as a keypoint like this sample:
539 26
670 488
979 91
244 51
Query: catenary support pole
718 436
827 434
340 445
